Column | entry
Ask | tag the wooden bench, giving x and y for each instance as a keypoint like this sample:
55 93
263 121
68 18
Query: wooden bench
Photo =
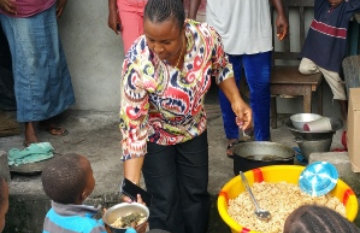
286 80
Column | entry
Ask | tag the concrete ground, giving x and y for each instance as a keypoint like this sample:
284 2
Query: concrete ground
96 135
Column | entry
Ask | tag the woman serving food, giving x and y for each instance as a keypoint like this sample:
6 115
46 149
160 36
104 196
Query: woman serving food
166 76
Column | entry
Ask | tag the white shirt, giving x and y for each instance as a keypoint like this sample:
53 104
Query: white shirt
244 25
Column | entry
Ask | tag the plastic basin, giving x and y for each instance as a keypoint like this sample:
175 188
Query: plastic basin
277 173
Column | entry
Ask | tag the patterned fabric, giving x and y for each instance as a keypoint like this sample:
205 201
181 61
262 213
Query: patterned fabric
72 219
163 104
326 40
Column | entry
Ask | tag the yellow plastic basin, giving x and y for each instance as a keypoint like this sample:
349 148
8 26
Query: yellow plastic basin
273 174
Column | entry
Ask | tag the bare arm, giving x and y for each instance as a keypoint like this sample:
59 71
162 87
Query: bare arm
132 169
60 5
282 25
114 22
194 6
8 6
240 108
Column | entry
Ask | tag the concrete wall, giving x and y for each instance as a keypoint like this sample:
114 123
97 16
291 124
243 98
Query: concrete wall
95 54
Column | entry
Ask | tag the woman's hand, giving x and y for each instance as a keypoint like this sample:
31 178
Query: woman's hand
8 6
60 5
113 19
243 114
242 111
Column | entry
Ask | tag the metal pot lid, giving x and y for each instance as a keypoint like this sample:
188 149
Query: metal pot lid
318 178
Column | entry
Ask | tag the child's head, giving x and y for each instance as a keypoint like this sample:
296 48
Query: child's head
68 179
4 202
317 219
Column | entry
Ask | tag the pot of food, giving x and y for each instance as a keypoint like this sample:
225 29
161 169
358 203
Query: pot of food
250 155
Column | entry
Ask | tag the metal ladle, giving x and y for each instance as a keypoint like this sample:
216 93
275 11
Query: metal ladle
260 213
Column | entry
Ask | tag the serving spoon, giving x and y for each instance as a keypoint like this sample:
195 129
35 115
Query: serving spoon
260 213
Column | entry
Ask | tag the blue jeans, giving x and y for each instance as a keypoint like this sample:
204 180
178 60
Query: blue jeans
257 69
177 177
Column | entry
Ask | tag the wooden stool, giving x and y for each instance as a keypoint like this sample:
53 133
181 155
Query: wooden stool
288 81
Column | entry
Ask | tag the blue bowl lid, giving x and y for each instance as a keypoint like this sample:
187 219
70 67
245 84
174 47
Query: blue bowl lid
318 178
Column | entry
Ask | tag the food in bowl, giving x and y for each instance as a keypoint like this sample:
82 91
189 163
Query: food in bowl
129 220
123 215
277 174
280 199
300 119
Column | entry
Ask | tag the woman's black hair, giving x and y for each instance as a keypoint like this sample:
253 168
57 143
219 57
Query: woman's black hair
158 11
64 178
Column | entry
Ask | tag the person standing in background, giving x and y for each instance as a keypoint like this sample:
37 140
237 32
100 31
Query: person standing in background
126 17
326 42
246 30
42 80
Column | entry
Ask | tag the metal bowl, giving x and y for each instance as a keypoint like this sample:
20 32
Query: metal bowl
308 135
299 119
307 147
121 210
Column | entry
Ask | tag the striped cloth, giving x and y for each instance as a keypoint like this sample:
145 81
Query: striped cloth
63 218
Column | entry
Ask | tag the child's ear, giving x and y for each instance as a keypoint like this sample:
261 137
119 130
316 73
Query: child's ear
84 195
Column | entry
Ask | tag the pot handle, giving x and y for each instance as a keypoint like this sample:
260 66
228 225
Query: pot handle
231 145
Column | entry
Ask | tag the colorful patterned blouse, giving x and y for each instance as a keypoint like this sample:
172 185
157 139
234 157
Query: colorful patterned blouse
165 105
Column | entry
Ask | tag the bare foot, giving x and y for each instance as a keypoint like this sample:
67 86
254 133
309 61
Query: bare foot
30 133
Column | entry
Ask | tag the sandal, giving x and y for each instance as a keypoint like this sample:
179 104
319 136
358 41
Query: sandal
53 129
57 131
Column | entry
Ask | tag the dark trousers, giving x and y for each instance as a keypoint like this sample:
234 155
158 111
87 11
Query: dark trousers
177 177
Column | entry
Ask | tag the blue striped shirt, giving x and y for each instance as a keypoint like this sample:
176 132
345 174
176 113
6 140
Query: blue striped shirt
72 219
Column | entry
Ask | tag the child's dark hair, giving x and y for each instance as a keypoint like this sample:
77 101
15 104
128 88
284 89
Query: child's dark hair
64 178
317 219
158 11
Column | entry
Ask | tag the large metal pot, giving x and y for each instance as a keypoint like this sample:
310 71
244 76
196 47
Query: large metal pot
250 155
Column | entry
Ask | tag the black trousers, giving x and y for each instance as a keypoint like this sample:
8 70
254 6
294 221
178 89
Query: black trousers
177 177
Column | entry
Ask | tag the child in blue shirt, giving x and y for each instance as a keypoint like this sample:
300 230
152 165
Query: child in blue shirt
68 180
